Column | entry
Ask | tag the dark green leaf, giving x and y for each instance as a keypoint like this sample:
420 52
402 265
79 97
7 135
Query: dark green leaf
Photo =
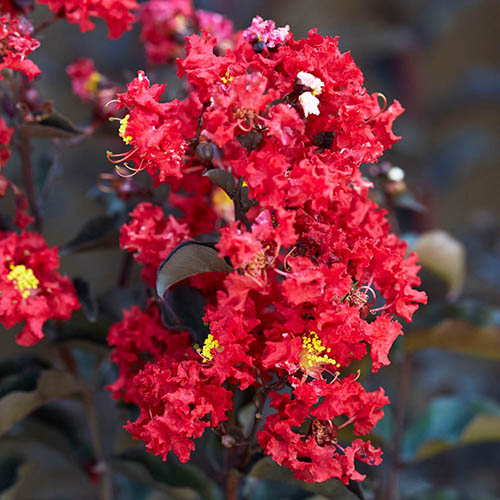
52 384
268 470
188 259
450 422
459 336
171 473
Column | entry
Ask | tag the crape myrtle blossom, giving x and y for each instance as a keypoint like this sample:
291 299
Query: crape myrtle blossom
31 289
118 14
16 44
165 23
291 121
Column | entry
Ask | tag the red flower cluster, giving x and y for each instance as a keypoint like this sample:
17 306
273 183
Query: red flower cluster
165 23
152 236
116 13
140 338
318 276
16 44
84 78
30 288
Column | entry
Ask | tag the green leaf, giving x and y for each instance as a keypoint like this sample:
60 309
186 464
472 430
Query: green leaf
139 472
458 336
267 469
45 472
170 473
20 374
449 422
52 384
51 125
188 259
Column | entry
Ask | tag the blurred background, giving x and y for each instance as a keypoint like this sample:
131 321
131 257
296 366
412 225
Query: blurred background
441 60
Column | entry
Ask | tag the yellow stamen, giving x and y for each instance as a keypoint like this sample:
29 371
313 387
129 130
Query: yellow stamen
24 279
123 129
226 78
314 353
92 83
209 344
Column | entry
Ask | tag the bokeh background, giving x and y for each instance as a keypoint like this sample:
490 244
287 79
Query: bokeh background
441 60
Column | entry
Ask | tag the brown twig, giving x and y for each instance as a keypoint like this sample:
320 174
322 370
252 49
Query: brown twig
102 468
393 490
46 24
29 183
125 269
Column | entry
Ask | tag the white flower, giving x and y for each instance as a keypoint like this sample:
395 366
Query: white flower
309 103
310 81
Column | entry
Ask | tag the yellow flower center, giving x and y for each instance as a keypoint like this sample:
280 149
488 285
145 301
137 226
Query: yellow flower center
24 279
314 353
123 128
226 78
92 82
209 344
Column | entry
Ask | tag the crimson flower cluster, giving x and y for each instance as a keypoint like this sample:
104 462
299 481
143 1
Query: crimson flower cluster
165 23
118 14
31 289
16 44
318 279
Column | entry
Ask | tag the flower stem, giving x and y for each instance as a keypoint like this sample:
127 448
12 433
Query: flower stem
46 24
102 468
393 487
29 181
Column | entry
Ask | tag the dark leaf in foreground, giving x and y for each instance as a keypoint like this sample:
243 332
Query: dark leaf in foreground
99 232
188 259
223 179
86 298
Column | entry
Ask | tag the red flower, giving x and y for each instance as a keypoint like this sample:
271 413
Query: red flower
152 236
84 78
317 456
164 24
178 402
30 288
116 13
16 44
141 338
155 130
